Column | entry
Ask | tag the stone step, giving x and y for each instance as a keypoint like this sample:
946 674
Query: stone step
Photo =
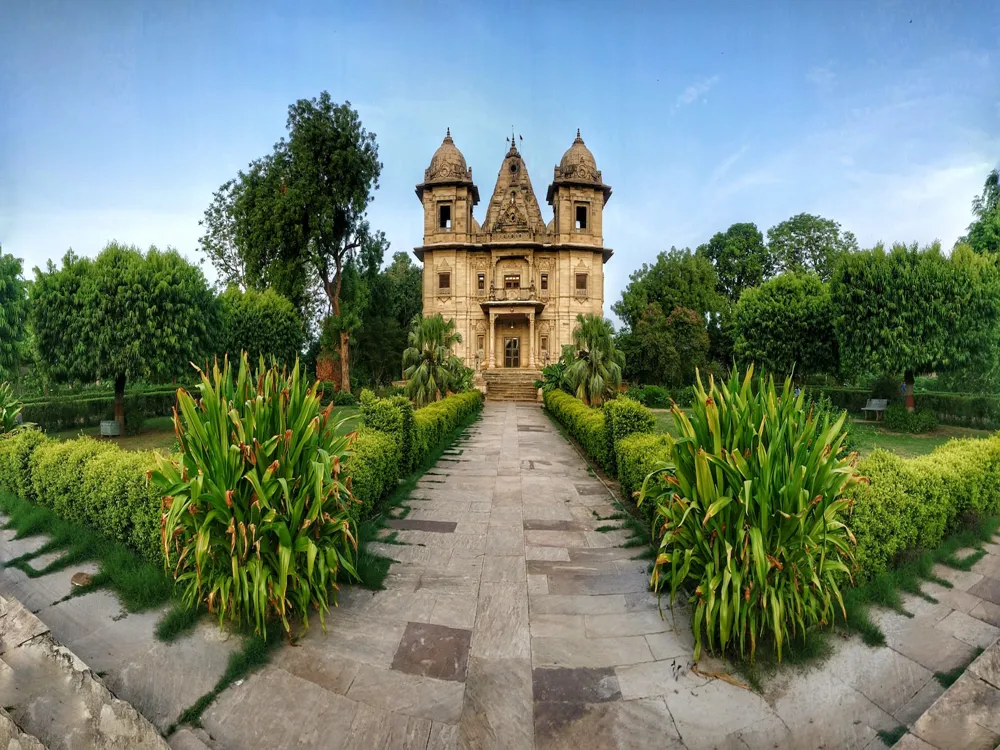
52 695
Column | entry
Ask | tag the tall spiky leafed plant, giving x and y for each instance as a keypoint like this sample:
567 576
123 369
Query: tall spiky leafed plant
10 407
750 513
432 370
595 372
255 520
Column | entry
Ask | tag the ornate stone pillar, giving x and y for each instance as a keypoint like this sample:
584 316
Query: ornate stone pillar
490 336
531 339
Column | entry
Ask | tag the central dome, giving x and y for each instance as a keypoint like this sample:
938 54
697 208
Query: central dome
447 162
578 162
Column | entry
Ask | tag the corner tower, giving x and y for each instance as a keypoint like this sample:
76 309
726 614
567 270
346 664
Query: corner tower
578 196
448 195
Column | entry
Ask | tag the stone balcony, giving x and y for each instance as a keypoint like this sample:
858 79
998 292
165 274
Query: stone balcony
521 297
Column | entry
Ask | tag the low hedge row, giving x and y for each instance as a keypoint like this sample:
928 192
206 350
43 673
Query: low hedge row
97 484
915 503
584 424
91 482
637 456
66 413
963 409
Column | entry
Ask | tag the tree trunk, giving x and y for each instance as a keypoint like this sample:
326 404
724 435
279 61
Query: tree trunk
345 369
908 379
120 402
333 292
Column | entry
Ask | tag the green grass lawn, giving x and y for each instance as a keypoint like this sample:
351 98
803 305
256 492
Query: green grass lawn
157 433
870 436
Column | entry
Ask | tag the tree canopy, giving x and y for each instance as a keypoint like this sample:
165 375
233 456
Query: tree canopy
594 364
13 314
122 315
678 278
809 243
786 324
665 350
263 324
296 218
740 257
984 231
913 310
432 369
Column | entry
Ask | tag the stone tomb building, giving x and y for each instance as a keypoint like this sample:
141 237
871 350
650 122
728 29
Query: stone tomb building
513 283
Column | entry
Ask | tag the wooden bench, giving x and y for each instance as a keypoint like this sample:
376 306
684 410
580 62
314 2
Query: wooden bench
877 405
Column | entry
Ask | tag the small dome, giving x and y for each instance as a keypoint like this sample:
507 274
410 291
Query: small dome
578 162
447 162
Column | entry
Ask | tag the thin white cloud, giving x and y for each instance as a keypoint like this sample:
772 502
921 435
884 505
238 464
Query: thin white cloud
695 91
723 169
821 75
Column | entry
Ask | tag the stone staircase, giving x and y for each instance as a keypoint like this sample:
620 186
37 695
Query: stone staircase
513 384
52 700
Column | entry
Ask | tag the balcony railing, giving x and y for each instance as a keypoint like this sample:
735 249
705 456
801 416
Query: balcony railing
520 294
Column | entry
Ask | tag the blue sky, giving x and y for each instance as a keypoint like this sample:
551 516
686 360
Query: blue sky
119 119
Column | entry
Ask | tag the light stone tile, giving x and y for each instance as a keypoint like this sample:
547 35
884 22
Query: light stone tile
577 604
969 630
503 568
589 652
498 705
470 527
888 679
633 623
656 678
537 585
558 554
454 610
376 727
558 626
555 538
501 630
962 580
915 707
968 712
412 695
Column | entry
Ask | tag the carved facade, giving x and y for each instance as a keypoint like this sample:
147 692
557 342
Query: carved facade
514 284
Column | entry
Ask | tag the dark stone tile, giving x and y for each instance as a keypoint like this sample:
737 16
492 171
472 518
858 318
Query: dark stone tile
988 588
543 525
581 684
591 489
411 524
433 651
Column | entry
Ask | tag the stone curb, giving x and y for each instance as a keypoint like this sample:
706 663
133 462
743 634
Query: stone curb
107 722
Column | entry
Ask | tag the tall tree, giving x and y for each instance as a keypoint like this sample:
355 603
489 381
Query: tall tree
13 314
678 278
984 232
786 324
122 315
740 257
809 243
910 310
298 214
665 350
263 324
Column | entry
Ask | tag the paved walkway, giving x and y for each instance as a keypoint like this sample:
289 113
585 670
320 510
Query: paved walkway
511 622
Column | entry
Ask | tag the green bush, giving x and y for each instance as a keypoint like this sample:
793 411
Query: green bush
59 414
624 417
750 511
330 395
257 519
963 409
653 396
16 449
913 504
584 424
899 419
56 469
10 408
438 420
373 469
393 416
637 456
684 396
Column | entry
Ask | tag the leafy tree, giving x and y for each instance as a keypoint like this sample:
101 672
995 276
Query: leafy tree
984 232
261 324
596 370
740 257
665 350
122 315
678 278
432 369
809 243
690 336
297 216
13 314
396 296
915 311
785 324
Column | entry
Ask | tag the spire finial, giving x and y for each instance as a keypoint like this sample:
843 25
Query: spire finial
447 133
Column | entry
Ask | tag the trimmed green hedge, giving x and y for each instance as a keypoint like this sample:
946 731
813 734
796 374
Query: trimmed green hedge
624 417
584 424
374 470
58 414
637 456
393 416
915 503
963 409
435 422
898 418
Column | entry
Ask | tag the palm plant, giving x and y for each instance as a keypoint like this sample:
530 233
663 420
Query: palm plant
596 370
10 408
431 369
